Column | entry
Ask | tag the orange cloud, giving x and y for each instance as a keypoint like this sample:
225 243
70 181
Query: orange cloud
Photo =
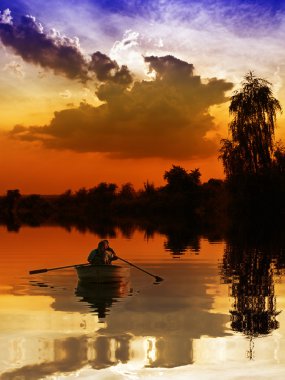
167 117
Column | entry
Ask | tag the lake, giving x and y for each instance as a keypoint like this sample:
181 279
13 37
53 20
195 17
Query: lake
217 314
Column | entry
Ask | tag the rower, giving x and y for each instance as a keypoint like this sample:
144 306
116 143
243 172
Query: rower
102 255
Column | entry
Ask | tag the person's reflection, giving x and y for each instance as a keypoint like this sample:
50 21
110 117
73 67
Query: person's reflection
100 297
249 272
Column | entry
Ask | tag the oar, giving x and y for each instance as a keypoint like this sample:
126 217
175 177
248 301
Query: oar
49 269
157 278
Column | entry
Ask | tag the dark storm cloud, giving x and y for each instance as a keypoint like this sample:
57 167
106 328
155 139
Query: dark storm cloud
103 66
29 40
115 78
170 68
108 70
62 54
166 117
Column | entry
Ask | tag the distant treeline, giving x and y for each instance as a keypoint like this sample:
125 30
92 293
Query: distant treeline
182 197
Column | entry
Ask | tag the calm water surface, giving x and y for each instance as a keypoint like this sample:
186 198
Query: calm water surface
217 314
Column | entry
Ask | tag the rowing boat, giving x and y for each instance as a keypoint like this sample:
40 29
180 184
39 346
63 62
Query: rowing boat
102 273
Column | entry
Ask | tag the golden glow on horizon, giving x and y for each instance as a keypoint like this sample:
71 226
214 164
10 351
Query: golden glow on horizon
32 169
19 304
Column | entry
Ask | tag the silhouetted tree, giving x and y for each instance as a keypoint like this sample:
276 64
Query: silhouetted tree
81 195
182 193
215 199
178 179
279 158
12 200
251 147
127 191
34 209
149 188
102 194
65 200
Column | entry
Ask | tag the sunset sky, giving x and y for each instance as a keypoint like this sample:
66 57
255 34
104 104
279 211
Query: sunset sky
118 91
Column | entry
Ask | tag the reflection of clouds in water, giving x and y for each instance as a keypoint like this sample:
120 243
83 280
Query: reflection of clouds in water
225 371
133 357
150 329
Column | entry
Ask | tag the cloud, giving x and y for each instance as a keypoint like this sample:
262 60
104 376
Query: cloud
62 54
108 70
5 17
170 68
15 68
66 94
222 39
167 117
51 50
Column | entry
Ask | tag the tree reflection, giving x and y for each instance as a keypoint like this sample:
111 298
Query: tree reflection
178 244
252 287
249 267
181 236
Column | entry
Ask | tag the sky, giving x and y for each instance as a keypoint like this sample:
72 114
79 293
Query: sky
119 91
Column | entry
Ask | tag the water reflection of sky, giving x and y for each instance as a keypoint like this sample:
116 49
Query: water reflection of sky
181 328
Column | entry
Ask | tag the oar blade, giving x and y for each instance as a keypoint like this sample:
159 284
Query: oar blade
158 279
38 271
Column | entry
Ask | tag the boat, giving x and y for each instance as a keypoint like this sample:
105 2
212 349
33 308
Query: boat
102 273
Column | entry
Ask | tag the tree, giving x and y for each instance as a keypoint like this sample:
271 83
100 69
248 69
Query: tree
12 199
279 158
127 192
102 194
251 147
178 179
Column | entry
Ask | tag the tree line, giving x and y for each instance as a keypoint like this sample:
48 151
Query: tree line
182 196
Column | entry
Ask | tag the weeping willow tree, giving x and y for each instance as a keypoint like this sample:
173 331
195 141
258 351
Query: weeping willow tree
250 148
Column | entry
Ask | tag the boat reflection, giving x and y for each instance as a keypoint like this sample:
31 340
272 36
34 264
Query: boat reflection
101 296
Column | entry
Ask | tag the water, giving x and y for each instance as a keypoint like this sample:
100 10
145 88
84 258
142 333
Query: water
218 312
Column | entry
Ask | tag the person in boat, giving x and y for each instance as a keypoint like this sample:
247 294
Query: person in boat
102 255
